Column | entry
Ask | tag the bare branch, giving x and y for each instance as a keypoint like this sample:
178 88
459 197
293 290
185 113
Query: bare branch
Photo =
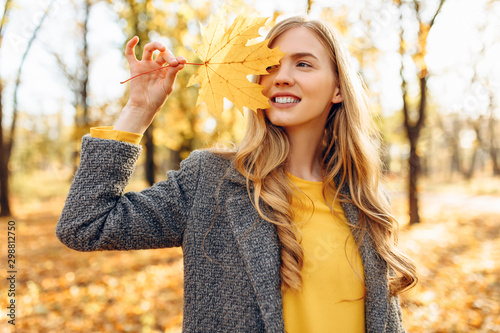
441 3
72 77
6 9
18 80
417 10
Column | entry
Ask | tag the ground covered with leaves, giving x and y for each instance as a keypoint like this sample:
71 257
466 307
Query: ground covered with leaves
459 288
60 290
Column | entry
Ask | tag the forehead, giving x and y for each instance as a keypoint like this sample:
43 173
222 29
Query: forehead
300 40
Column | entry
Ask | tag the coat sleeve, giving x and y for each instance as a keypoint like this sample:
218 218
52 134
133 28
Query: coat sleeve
98 216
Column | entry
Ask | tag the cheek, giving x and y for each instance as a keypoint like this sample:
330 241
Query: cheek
266 82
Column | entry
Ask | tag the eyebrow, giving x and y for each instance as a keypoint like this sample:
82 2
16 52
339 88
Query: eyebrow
302 55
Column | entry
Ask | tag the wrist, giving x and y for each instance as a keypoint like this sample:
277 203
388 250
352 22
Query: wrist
134 119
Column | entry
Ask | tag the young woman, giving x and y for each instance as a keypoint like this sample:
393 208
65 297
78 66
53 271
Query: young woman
289 232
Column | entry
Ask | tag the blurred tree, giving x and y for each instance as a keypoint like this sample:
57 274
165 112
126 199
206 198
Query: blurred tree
142 17
18 81
414 116
450 126
182 104
477 111
491 141
477 144
493 137
362 27
4 169
476 124
78 80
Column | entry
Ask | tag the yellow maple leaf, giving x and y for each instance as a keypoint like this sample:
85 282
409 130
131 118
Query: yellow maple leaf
228 60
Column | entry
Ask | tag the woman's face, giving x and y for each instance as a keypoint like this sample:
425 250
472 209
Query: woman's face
303 88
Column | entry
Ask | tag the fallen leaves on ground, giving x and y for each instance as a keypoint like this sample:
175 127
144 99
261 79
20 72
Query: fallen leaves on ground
459 287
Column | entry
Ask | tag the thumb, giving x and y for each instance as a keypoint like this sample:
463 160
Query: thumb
172 71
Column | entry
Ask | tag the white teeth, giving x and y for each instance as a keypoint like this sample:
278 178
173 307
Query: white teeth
285 100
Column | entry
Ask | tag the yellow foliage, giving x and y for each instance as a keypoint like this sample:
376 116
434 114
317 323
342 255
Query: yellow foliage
228 60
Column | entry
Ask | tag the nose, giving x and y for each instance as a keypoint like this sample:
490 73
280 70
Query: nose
283 77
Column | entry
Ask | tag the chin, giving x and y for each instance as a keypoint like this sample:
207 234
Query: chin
275 119
278 122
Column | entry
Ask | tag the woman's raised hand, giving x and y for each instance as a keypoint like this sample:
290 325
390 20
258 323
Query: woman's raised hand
148 92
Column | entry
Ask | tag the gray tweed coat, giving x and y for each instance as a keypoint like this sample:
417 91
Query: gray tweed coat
231 255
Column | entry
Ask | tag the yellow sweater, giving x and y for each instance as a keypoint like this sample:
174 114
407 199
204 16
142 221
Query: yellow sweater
331 297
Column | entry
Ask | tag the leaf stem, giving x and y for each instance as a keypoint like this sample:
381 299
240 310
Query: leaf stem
133 77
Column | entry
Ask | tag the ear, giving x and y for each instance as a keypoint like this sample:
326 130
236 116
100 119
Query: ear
337 95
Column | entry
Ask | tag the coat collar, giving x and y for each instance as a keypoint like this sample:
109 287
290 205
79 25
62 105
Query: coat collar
259 247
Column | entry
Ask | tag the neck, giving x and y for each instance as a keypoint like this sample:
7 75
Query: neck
304 158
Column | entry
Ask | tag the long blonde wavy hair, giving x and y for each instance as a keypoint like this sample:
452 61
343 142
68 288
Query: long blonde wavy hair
348 156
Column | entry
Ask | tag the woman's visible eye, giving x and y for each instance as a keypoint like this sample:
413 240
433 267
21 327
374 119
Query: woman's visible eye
303 64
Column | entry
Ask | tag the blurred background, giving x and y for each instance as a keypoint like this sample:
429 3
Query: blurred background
432 68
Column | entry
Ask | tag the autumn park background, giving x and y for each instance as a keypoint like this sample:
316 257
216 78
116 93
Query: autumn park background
432 69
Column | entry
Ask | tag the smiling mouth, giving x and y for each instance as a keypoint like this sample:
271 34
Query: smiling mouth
285 100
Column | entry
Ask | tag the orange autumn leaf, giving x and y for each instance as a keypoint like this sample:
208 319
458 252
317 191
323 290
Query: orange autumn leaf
227 61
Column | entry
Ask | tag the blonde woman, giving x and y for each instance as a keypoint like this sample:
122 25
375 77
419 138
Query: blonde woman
290 232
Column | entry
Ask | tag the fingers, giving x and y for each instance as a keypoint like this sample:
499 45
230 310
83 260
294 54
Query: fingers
165 55
175 65
168 57
182 61
150 48
130 50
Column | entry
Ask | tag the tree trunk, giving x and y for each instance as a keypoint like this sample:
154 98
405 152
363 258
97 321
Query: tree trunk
149 164
4 170
494 159
468 173
455 158
175 159
414 163
86 65
492 147
4 166
142 31
413 133
414 126
478 144
455 147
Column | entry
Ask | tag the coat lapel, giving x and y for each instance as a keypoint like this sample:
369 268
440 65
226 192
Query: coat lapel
375 270
259 247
